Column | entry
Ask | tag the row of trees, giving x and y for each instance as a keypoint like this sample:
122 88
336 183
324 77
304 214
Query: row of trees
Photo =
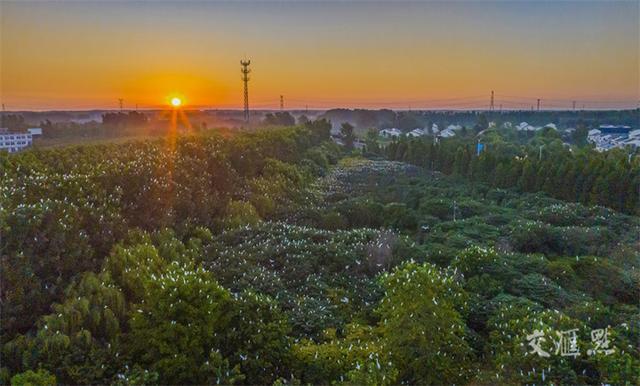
408 120
583 175
120 119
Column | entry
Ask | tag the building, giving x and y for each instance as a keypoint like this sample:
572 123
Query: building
14 142
594 132
608 137
614 129
416 133
524 126
446 133
390 133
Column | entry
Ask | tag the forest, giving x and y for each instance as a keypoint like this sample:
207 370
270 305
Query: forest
278 257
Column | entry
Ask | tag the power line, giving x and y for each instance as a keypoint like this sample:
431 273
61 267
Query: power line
457 103
245 70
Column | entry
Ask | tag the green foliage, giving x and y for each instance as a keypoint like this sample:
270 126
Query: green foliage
582 175
240 213
33 378
259 338
268 258
179 327
356 358
283 118
348 136
425 334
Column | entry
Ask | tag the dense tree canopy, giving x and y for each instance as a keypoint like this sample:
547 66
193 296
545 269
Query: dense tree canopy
277 257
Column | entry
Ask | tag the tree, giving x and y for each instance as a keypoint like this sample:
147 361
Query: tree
580 134
279 119
258 338
371 142
482 123
240 213
179 330
348 136
320 130
425 334
303 120
34 378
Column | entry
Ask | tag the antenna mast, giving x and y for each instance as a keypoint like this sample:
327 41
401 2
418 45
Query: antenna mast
245 70
491 106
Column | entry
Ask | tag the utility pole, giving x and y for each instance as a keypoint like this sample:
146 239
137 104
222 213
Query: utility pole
455 208
538 104
574 105
245 70
120 102
281 102
491 106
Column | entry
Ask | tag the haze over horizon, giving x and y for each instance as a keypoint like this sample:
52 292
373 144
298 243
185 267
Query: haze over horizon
67 55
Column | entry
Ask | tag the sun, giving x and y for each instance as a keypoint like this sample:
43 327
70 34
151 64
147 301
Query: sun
176 102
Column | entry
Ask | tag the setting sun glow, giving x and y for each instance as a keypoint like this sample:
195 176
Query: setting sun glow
176 102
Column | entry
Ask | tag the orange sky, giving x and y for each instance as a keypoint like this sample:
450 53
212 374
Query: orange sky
69 55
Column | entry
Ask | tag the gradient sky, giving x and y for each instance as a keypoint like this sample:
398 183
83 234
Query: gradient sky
81 55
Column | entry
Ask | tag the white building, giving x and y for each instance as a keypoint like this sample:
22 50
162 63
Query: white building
390 133
416 133
446 133
610 137
524 126
593 133
13 142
